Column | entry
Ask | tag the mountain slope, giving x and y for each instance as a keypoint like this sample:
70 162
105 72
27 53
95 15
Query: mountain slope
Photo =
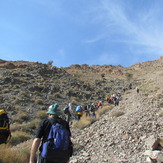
120 135
115 139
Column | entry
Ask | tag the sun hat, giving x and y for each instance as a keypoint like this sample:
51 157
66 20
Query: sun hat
53 109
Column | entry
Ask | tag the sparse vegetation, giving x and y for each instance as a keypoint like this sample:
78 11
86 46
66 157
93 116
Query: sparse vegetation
21 117
129 76
39 101
85 121
41 114
28 91
57 95
19 137
9 155
33 124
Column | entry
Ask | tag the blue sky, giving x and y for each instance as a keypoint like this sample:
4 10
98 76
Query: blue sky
93 32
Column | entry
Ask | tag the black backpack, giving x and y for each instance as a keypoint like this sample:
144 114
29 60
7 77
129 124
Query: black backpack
5 133
66 110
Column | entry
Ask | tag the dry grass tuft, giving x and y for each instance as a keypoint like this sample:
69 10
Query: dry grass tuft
33 124
39 101
85 121
19 137
41 114
21 117
103 110
8 155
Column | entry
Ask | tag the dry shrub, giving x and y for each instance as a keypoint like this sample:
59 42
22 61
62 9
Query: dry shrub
25 127
23 94
118 113
38 101
86 120
15 86
160 113
21 117
19 137
57 95
9 155
33 124
6 90
41 114
17 127
103 110
83 122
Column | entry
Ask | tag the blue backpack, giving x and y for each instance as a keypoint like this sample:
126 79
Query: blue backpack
78 109
58 146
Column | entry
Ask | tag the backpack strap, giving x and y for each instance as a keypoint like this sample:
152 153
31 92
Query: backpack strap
52 121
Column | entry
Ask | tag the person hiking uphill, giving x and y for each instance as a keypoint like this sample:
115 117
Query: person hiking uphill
67 111
54 135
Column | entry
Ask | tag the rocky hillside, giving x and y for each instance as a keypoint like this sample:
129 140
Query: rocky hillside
128 130
30 87
122 134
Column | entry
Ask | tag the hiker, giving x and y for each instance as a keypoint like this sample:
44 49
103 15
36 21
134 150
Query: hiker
137 89
99 104
62 148
5 133
124 89
79 112
93 109
67 112
116 101
130 86
86 110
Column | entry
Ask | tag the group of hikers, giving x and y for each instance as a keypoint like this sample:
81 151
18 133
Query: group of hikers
89 109
114 99
53 136
77 112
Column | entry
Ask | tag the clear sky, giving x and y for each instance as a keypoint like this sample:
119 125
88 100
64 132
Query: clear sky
93 32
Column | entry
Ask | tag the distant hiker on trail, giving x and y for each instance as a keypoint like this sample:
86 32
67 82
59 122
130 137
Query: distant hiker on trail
116 101
79 112
99 104
86 110
124 89
67 112
93 109
130 86
54 148
137 89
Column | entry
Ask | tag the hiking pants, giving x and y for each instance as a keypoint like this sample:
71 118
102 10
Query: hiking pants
43 160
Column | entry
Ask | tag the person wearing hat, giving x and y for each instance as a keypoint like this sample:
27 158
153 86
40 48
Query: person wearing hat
43 131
